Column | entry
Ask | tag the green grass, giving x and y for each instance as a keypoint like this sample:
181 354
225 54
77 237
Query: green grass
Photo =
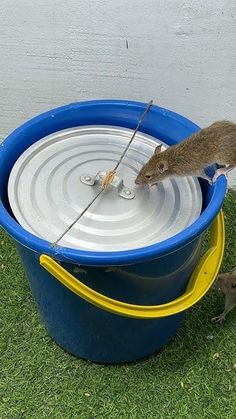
185 380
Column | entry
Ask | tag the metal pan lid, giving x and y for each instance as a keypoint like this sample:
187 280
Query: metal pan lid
55 179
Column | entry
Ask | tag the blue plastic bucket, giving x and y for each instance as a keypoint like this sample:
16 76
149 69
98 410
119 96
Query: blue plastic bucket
150 276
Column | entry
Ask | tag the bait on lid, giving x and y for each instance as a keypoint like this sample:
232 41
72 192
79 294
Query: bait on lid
58 176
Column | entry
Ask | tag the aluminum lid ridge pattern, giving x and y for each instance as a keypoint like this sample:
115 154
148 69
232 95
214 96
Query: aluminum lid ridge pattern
47 191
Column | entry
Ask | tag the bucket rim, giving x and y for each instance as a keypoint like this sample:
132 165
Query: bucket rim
116 258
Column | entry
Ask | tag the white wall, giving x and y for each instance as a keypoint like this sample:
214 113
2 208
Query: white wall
180 53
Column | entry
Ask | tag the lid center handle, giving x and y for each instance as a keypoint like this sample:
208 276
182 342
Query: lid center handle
116 183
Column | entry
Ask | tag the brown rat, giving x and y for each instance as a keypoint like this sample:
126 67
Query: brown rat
226 284
211 145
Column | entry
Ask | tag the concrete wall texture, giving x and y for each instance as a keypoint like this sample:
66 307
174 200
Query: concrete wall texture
180 53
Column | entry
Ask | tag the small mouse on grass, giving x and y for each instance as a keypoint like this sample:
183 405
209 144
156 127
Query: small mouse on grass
226 284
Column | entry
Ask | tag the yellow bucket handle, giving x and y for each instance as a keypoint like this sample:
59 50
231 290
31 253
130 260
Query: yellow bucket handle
199 283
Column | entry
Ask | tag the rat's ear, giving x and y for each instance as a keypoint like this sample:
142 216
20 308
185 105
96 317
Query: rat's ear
158 149
162 166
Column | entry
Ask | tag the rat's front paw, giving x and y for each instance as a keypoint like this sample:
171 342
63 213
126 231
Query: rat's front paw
218 319
219 172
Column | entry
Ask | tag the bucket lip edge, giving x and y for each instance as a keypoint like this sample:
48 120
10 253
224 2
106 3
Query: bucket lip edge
118 257
105 102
